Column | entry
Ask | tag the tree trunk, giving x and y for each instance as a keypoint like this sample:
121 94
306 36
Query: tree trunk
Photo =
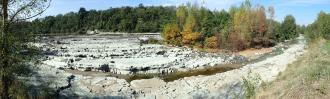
5 51
5 86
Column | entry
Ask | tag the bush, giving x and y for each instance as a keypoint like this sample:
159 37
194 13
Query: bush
211 42
190 38
250 85
171 34
236 42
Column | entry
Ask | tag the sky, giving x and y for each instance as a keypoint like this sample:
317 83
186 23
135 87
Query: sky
305 11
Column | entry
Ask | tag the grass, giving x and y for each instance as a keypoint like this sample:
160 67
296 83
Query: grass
307 78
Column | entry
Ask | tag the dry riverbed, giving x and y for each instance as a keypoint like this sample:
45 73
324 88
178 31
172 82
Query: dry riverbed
202 81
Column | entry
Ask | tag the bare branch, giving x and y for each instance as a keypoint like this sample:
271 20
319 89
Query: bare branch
21 9
25 7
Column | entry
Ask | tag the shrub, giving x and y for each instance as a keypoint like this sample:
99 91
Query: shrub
236 42
211 42
191 38
250 84
172 34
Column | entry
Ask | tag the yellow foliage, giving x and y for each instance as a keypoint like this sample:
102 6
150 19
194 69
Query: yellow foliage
181 14
190 38
172 34
211 42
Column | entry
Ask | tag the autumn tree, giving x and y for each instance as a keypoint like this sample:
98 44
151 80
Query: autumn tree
171 34
241 29
189 36
259 27
13 11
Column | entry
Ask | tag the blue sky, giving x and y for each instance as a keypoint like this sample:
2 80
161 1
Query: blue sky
305 11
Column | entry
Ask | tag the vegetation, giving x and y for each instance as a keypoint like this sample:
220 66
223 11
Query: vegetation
249 85
125 19
320 28
15 54
289 28
240 28
309 76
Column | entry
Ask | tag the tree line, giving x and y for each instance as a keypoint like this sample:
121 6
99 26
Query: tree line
124 19
241 27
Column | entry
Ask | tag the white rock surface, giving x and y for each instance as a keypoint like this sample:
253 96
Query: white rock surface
122 54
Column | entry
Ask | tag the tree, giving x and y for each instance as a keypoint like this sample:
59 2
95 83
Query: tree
171 34
323 22
181 14
207 23
242 26
259 28
189 36
289 28
13 11
271 15
320 28
82 20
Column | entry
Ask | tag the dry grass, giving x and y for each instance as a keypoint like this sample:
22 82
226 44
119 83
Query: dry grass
307 78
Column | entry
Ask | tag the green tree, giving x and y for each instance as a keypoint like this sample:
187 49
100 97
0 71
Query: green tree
320 28
323 22
289 28
207 23
82 20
